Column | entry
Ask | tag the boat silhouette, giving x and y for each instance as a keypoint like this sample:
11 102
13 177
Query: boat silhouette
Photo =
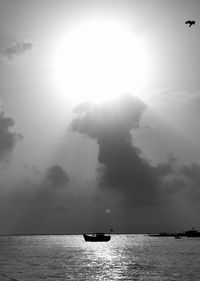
97 237
191 233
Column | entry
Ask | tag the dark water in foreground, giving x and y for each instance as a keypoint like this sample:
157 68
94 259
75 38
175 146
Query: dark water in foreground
125 257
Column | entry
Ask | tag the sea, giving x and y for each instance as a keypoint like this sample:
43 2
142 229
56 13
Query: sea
124 257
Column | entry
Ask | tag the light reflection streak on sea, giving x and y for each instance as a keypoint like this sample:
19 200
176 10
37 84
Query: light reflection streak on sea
110 260
125 257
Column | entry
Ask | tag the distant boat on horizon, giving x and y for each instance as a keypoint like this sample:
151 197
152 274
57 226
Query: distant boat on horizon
189 233
97 237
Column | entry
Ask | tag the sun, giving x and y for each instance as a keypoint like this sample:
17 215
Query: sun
99 60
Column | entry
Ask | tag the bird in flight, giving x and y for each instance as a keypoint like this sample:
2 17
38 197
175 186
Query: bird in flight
190 22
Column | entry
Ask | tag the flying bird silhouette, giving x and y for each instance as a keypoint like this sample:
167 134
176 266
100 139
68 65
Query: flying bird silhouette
190 22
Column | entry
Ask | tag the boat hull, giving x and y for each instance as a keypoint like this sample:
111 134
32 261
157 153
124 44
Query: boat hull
96 238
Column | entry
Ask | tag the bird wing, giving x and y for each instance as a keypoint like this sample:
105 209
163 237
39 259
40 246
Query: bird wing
190 22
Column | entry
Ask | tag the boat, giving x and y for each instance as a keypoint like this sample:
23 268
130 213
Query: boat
191 233
96 237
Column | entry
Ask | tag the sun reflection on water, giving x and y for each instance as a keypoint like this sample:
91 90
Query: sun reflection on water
110 259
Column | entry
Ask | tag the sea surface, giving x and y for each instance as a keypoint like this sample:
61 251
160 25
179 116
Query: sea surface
125 257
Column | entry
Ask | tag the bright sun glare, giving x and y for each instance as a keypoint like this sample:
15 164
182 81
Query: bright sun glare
99 60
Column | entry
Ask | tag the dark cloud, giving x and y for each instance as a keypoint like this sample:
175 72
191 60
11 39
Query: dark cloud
15 50
192 172
183 182
191 181
57 176
8 138
123 166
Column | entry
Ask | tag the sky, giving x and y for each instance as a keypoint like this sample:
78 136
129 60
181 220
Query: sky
99 160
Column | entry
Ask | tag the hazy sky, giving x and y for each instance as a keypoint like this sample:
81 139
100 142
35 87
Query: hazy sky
131 163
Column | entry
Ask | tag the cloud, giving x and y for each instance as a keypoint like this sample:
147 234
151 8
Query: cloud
37 203
192 173
122 165
116 117
57 176
15 50
8 138
191 181
187 100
